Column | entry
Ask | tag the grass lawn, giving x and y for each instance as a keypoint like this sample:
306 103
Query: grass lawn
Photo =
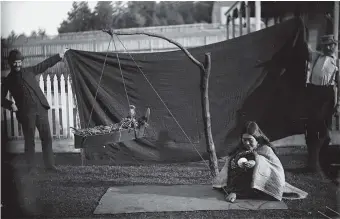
77 190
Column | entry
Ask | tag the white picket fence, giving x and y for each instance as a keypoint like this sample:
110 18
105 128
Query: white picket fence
62 115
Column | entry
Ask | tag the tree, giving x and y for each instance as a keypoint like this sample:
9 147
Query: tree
34 34
12 37
80 18
169 12
186 9
147 10
203 11
103 15
42 32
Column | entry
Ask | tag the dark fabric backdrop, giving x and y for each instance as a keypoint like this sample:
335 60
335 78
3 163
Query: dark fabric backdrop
246 82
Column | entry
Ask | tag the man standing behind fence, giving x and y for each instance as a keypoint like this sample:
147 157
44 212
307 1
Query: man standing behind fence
30 105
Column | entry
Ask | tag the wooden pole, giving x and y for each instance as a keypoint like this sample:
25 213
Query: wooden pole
227 26
206 116
258 15
240 19
233 24
248 16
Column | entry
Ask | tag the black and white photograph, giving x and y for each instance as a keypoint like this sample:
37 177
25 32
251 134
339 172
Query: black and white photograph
170 109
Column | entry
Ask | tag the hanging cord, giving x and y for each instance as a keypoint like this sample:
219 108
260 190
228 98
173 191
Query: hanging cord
126 94
163 102
121 73
101 76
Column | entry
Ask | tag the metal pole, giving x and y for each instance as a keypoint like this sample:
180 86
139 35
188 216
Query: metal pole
258 15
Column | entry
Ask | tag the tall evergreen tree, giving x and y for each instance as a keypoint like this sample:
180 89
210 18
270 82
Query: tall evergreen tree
103 15
80 18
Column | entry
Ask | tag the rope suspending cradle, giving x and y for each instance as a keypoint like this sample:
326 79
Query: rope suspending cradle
127 129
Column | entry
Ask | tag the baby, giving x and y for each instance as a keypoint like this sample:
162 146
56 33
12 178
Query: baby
130 121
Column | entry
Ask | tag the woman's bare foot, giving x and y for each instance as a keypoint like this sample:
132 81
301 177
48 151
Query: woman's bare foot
231 197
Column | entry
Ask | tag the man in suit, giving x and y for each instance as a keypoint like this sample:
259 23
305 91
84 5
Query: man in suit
322 79
31 106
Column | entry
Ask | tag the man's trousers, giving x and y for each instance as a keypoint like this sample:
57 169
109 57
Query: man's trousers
30 121
319 108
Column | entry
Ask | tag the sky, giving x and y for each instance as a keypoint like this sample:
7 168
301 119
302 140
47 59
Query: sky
26 16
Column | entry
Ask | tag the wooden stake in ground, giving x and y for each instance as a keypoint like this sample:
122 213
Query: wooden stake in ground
205 73
206 116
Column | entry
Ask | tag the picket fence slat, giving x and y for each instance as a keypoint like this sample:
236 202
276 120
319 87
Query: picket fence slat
56 106
63 106
8 117
49 99
70 107
15 123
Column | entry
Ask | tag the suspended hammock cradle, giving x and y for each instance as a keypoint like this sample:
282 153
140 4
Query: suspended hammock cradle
119 132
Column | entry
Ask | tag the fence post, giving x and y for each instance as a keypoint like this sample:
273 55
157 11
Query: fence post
44 51
42 87
240 19
94 45
56 106
63 106
8 117
151 47
258 15
233 25
15 124
49 99
248 16
70 106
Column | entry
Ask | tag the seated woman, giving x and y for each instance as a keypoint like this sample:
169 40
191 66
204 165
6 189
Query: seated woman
252 170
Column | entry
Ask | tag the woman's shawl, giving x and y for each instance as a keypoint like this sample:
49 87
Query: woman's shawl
268 173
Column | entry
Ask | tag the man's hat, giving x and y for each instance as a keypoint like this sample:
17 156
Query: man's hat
15 55
328 39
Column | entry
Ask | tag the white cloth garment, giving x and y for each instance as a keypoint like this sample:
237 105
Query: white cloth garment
322 70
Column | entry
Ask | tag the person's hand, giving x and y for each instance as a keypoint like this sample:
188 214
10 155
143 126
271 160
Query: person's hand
231 197
14 108
249 164
63 53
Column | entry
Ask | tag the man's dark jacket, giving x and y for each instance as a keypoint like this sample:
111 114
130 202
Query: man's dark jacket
9 84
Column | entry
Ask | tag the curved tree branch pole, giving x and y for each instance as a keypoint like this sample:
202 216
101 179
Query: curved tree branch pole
205 73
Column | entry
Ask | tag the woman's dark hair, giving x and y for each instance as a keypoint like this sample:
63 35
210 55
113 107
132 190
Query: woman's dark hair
254 130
